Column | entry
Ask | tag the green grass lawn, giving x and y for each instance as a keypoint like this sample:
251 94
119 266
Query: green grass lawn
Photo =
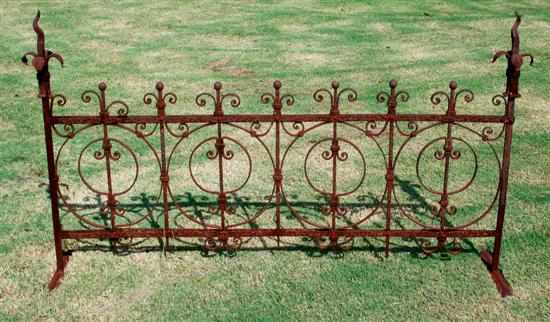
246 45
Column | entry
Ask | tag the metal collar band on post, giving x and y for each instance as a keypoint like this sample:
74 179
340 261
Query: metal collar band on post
224 217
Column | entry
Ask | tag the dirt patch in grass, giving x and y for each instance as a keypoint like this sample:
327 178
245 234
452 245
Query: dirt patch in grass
226 66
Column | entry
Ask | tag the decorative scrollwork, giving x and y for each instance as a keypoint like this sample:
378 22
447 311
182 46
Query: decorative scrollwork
451 98
487 133
68 131
58 99
112 155
256 129
453 154
392 97
429 247
298 127
333 244
141 130
319 96
335 152
467 95
200 99
371 128
219 244
218 99
443 205
276 98
112 207
88 94
182 130
382 97
439 97
218 150
104 108
498 100
122 110
438 211
160 98
412 128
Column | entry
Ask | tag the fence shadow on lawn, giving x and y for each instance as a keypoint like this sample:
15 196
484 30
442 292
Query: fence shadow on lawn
147 203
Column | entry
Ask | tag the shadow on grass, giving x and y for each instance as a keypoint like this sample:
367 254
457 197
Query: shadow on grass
203 210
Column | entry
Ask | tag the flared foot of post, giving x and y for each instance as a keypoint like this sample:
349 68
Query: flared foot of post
502 284
58 274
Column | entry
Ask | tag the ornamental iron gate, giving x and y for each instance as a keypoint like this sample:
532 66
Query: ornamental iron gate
311 178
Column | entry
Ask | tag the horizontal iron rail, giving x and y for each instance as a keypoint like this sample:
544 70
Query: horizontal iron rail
262 232
468 118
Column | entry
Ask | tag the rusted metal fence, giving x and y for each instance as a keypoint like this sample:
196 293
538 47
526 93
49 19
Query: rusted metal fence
330 162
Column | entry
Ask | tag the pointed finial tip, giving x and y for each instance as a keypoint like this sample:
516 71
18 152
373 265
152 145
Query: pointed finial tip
38 13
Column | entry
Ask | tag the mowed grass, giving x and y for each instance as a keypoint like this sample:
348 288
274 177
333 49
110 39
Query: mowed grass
246 45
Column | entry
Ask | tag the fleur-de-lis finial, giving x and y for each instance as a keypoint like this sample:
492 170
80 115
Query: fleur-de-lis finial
40 58
515 60
218 99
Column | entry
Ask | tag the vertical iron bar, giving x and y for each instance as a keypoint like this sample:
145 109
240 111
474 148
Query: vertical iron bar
503 180
107 152
444 201
220 146
40 62
392 104
389 185
278 173
53 183
515 60
278 178
335 151
164 181
161 104
221 197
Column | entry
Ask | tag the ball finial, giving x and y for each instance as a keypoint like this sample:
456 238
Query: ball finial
102 86
453 85
277 84
159 86
217 86
393 83
335 84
